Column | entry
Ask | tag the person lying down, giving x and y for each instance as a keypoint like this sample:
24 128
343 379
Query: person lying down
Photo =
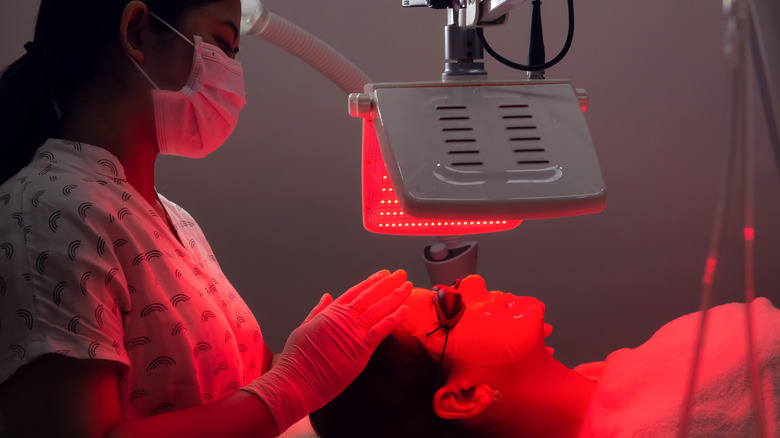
483 370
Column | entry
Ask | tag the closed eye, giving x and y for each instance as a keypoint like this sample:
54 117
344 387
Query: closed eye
226 48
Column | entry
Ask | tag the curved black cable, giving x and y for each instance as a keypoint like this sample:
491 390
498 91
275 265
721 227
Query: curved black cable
537 67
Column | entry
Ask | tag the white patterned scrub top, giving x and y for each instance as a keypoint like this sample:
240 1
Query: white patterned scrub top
89 270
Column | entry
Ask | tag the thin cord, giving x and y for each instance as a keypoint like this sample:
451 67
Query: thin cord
716 242
741 157
443 349
546 65
446 338
770 114
748 175
437 329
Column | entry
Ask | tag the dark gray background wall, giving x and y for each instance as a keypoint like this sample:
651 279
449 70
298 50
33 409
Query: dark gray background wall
280 202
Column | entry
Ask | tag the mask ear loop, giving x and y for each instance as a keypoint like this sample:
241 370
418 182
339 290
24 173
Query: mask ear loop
449 309
154 84
171 28
151 81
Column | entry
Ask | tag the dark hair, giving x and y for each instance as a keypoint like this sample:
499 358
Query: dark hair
71 39
392 397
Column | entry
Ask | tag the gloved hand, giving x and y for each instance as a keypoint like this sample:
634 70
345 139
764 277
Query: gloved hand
332 346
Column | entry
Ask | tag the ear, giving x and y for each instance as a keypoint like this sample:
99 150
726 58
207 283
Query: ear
458 400
135 20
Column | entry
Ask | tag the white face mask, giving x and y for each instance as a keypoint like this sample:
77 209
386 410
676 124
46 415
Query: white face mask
194 121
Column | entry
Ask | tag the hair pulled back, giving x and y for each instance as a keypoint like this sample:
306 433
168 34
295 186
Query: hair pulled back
392 397
71 39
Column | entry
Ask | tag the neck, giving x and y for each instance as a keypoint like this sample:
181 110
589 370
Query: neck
101 117
543 399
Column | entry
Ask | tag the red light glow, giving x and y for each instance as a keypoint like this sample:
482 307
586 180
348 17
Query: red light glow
709 272
382 212
749 234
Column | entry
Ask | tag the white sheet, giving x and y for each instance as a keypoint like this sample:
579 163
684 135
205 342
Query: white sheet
640 391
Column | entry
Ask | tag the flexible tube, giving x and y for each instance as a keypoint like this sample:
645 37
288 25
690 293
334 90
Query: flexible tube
748 212
716 242
725 202
739 173
312 50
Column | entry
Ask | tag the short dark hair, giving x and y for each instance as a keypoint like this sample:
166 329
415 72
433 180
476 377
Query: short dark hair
71 39
392 397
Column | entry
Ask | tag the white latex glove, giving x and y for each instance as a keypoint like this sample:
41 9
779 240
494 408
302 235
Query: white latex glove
332 346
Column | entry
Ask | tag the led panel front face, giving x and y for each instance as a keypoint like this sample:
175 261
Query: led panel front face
383 214
470 150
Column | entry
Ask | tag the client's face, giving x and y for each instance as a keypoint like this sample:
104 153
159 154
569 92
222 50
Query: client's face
499 379
496 328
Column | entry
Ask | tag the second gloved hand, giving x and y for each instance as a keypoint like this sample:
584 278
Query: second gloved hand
332 346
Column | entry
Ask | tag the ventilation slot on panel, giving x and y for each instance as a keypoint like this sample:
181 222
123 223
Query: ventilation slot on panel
525 133
450 108
516 116
465 155
531 161
455 113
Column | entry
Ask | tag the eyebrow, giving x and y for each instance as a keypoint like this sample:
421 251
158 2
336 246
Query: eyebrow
233 26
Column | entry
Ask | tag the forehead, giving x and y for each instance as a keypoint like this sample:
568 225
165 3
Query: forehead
421 311
419 297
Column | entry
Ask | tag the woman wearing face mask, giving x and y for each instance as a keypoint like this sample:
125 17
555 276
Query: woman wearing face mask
484 371
115 318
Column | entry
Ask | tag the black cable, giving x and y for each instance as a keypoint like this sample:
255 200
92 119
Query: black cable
446 338
537 67
536 41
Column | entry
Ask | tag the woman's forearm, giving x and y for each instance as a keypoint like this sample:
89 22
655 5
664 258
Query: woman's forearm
61 396
240 414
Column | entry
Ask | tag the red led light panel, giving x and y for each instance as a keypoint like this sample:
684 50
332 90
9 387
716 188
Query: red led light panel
382 212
